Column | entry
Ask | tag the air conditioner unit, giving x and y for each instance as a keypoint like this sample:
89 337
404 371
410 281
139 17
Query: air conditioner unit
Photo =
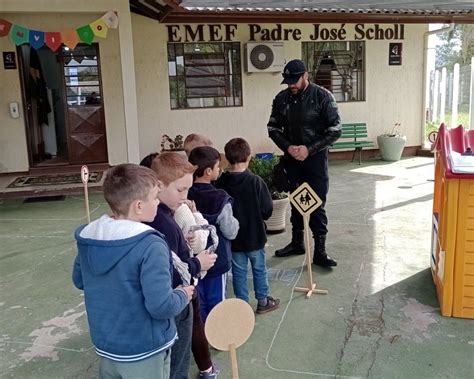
265 57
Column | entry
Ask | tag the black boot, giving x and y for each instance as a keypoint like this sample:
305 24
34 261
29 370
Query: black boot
295 247
320 257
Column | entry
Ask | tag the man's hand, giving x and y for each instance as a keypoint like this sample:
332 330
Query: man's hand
293 150
300 153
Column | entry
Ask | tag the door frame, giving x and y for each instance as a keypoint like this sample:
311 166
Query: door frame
28 121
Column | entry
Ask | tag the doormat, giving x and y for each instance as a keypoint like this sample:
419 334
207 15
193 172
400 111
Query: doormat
53 180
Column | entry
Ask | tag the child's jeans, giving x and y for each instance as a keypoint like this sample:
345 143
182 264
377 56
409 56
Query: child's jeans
259 273
155 367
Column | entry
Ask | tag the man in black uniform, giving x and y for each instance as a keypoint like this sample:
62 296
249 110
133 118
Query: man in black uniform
304 122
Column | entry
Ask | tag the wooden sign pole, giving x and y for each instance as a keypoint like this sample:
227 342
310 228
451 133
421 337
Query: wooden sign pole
306 201
228 326
233 361
85 180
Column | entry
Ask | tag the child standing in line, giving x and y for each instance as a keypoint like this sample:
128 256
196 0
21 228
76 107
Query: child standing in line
216 207
195 140
174 173
123 267
252 205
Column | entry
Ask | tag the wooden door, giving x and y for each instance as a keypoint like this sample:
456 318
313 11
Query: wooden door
87 140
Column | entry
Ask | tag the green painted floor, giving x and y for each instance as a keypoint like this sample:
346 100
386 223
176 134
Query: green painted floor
380 319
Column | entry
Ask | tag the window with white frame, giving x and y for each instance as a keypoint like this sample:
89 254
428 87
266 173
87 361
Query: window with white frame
203 75
338 67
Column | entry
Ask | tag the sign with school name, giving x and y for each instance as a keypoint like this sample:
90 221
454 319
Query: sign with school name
305 200
278 32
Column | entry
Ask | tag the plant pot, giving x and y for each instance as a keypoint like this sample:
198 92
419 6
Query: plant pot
391 147
277 221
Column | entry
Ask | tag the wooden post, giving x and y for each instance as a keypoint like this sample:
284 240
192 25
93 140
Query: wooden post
85 180
233 361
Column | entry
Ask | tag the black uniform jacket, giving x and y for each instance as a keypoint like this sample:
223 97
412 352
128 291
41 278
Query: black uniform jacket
310 118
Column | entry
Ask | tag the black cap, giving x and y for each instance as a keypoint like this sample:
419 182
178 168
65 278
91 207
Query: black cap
293 71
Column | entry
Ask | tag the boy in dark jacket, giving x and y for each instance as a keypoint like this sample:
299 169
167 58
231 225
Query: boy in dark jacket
252 205
216 207
123 267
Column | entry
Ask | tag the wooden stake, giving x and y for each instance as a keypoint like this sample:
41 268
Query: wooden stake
233 361
311 285
85 180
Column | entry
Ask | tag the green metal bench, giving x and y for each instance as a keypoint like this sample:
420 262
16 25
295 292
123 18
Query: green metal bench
355 137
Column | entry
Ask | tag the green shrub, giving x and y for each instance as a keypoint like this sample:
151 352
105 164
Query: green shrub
264 168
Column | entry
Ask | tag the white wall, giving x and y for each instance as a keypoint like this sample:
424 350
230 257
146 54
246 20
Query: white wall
13 144
393 93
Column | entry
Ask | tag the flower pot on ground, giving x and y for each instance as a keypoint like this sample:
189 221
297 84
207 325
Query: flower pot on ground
263 167
391 144
391 147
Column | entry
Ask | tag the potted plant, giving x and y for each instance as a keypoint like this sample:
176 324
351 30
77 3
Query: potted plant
172 144
263 166
391 144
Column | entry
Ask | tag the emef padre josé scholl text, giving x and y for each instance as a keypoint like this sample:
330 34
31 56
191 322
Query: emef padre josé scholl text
227 32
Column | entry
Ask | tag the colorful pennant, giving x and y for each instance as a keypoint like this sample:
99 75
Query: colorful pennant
99 28
70 38
111 19
19 35
36 38
52 40
4 27
86 34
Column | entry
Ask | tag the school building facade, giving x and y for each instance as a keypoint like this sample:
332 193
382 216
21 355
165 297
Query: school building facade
170 69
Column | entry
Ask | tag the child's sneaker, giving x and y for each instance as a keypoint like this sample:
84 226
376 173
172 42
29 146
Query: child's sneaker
271 305
211 375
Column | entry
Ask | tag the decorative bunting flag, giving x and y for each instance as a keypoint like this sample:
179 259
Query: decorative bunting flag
111 19
19 35
86 34
36 39
53 40
99 28
70 38
4 27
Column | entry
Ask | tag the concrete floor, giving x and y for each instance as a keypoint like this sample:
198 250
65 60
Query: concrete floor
380 319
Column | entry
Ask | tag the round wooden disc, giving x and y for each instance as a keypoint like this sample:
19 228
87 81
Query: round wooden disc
230 322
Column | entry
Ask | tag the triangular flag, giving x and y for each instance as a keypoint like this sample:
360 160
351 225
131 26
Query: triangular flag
4 27
111 19
86 34
36 39
19 34
99 27
70 38
53 40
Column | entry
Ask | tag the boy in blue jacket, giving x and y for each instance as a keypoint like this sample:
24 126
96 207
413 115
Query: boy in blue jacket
216 207
123 267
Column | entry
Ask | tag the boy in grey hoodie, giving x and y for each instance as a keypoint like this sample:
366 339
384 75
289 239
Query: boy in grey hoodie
123 267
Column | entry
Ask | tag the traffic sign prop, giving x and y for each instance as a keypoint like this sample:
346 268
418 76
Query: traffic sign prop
306 201
85 180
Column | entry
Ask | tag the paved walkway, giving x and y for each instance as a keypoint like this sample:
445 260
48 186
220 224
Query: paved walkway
380 319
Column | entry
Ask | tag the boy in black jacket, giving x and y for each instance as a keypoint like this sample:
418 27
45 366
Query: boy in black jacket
252 205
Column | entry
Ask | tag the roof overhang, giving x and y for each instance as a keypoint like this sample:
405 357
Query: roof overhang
155 9
297 11
317 15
